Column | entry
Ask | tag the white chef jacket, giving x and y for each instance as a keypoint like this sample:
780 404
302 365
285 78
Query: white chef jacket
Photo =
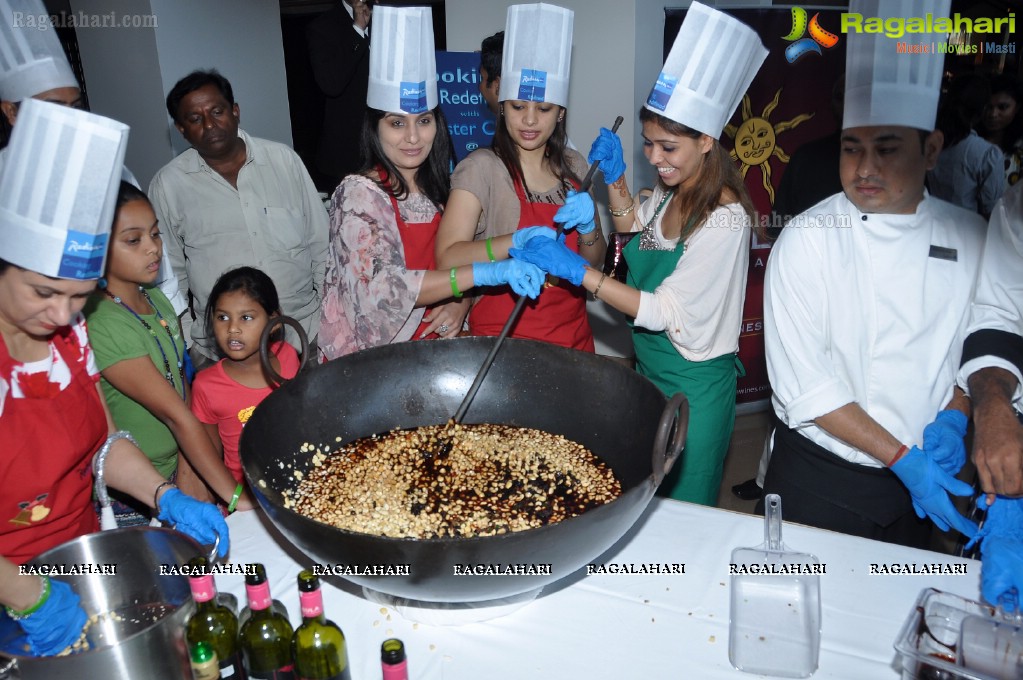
999 301
862 308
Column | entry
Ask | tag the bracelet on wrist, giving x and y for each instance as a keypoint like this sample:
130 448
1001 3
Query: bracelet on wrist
44 595
599 284
898 454
454 283
596 235
490 250
622 212
234 499
156 495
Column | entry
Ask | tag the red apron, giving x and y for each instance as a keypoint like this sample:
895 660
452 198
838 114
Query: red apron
46 460
417 239
558 316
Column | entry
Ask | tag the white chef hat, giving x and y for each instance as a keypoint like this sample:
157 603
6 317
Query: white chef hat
883 87
711 64
402 60
537 55
31 58
58 190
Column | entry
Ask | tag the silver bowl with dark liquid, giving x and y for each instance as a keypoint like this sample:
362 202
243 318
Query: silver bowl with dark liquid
137 615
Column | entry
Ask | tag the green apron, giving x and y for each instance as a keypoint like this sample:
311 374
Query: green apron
709 386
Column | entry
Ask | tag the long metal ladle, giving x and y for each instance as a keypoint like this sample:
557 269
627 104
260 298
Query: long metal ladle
444 442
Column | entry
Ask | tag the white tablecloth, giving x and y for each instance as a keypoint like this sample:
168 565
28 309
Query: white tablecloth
626 625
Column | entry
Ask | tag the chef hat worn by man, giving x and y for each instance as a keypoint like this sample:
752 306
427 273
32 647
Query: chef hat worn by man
537 54
883 87
58 190
31 58
711 64
402 60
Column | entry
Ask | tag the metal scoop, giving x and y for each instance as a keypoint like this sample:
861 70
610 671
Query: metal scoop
774 625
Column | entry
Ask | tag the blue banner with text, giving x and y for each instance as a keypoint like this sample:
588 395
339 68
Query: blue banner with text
458 87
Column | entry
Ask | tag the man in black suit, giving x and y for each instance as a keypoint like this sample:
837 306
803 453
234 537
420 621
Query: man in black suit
339 52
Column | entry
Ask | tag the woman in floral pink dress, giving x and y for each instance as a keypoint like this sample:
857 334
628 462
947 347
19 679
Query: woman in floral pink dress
381 284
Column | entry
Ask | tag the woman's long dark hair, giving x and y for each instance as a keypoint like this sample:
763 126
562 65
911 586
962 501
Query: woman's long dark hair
554 154
433 177
717 173
1013 132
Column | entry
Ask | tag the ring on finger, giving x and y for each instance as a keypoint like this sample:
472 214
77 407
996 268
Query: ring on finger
442 329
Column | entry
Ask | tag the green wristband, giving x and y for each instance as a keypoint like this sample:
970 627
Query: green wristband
454 283
234 499
490 251
43 597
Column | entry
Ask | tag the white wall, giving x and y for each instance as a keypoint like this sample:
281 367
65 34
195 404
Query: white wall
119 66
128 71
242 40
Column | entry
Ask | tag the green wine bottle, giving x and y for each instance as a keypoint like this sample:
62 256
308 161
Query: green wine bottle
212 622
276 605
318 644
205 665
266 635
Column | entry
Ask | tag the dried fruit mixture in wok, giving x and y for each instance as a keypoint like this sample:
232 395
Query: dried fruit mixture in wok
495 479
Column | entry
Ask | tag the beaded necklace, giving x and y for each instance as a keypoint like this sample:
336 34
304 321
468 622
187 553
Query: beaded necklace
163 322
647 240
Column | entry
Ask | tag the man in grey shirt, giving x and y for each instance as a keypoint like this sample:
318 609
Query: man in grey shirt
234 200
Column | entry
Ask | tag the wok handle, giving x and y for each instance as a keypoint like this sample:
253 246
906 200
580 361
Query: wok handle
674 423
276 378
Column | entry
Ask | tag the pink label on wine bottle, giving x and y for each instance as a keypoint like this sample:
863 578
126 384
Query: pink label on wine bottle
203 588
395 671
259 595
312 604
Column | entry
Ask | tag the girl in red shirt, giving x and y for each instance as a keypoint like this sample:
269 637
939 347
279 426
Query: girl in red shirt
243 301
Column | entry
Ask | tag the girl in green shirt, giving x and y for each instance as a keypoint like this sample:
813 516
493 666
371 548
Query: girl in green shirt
140 352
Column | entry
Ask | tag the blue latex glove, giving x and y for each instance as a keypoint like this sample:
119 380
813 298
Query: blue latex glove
929 487
524 278
521 236
1001 571
57 624
607 149
577 213
943 440
553 257
1001 550
201 521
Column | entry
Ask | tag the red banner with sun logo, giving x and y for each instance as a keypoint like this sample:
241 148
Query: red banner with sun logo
789 105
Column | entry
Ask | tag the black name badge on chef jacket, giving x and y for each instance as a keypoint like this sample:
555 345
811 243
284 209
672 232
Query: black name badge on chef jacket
941 253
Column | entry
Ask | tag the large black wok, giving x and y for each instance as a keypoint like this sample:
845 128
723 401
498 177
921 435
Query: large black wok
618 414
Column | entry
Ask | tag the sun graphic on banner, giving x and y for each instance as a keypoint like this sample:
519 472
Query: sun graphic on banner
756 139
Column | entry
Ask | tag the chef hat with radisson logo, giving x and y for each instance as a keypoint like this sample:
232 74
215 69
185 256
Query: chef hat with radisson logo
711 64
58 190
537 54
402 60
31 58
884 86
